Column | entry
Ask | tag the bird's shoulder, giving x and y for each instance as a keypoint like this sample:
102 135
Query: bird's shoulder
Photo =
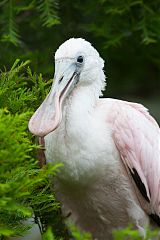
124 110
117 105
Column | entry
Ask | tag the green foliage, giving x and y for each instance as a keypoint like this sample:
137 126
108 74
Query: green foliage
114 20
128 233
79 235
10 29
48 235
47 11
14 11
15 89
24 187
125 18
74 234
132 234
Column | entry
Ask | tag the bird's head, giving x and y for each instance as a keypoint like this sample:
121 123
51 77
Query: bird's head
77 63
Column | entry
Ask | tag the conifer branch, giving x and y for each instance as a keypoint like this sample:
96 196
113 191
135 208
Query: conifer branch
47 10
10 28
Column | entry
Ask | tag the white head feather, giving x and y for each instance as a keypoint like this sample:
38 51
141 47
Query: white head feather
92 73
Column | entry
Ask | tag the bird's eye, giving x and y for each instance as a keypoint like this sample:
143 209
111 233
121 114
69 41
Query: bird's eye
80 59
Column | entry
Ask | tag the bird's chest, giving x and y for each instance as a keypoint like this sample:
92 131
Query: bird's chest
91 183
85 154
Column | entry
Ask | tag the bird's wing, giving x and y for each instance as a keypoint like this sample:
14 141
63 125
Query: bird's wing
137 137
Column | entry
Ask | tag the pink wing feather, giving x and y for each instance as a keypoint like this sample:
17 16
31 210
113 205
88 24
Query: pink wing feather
137 137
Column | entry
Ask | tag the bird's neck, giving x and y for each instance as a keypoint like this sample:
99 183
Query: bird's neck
80 105
79 108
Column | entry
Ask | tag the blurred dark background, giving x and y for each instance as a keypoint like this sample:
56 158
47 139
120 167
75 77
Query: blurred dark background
125 32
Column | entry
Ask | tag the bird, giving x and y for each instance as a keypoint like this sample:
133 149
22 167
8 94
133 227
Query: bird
110 148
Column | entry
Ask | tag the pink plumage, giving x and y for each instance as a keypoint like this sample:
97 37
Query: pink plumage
137 137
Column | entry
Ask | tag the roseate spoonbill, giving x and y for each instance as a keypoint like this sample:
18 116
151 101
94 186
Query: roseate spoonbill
110 148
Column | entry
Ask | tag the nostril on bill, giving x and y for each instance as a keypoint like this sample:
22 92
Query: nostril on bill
60 80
